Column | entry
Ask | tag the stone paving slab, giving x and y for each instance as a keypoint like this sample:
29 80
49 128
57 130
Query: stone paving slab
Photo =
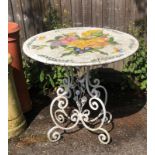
128 132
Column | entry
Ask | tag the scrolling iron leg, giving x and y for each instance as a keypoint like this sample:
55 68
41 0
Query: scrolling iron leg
86 95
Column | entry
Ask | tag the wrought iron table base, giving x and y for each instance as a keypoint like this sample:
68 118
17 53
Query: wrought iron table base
86 96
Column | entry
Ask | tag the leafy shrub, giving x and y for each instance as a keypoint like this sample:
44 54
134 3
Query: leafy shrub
43 77
52 21
38 75
136 68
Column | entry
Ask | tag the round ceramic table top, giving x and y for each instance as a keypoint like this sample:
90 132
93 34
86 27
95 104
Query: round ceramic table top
80 46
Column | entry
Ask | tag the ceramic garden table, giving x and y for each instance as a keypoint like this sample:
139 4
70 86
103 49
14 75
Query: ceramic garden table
80 99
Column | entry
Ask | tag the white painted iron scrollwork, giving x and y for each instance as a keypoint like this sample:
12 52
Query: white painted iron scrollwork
87 100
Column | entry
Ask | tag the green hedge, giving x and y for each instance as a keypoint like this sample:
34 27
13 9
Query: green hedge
136 68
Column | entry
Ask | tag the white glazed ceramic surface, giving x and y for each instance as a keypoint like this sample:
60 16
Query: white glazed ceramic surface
80 46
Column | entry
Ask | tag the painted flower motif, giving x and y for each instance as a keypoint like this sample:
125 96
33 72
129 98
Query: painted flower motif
93 43
41 38
62 41
92 33
78 50
88 41
55 44
67 40
81 51
117 50
121 50
72 34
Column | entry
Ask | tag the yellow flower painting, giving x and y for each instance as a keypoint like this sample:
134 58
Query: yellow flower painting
87 41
